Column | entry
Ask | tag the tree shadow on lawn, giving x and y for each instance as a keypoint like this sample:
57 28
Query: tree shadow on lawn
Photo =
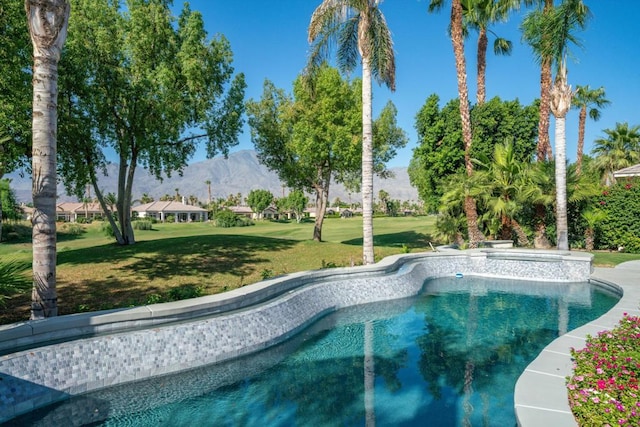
410 239
183 256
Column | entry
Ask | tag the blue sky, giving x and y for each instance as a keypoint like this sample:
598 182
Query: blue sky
269 41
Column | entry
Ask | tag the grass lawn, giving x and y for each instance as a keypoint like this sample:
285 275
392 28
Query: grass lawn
94 273
190 259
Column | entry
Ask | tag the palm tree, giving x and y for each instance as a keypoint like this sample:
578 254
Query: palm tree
358 27
502 181
561 95
585 99
592 217
549 32
208 183
620 149
48 21
457 39
533 35
479 15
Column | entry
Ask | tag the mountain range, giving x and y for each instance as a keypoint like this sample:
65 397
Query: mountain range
240 172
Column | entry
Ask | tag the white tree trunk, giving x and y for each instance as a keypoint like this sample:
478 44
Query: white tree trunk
48 22
560 103
561 185
367 166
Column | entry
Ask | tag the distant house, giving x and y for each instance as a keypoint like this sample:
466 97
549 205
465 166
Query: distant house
346 213
74 211
179 211
242 211
270 213
629 172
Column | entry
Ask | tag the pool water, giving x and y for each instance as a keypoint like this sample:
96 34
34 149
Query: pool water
448 357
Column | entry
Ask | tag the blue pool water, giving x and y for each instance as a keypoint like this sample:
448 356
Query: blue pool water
448 357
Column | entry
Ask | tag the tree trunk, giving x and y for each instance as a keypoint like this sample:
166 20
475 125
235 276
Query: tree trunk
367 165
482 67
544 145
457 39
582 121
540 240
48 22
561 185
589 238
523 240
560 103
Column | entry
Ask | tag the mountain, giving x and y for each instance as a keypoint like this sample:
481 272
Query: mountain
241 172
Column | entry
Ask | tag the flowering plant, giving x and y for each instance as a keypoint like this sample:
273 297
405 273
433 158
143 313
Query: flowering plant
603 390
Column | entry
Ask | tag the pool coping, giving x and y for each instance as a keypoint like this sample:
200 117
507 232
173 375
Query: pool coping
541 396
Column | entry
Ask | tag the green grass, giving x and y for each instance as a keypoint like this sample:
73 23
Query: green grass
93 273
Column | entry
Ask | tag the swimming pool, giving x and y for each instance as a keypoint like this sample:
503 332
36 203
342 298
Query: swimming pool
449 356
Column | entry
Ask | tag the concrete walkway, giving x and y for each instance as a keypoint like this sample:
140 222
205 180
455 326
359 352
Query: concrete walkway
541 397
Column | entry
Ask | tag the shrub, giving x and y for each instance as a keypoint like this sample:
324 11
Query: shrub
621 203
142 224
604 387
72 228
226 218
12 279
106 229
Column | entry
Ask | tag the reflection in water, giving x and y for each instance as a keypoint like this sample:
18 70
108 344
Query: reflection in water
449 357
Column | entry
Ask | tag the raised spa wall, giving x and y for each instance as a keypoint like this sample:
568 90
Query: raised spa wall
102 349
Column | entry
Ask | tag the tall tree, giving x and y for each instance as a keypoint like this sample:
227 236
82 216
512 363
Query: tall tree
457 40
358 27
480 15
208 184
150 87
48 22
16 100
533 35
559 27
592 100
619 149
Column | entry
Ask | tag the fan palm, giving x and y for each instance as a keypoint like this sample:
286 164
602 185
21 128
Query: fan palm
359 28
503 181
592 100
620 149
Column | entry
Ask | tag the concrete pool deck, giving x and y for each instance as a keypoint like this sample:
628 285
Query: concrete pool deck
540 396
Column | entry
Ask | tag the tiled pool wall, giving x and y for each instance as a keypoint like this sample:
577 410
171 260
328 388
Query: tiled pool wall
278 309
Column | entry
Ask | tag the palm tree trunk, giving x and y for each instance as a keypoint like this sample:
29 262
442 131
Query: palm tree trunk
544 145
48 22
482 67
589 238
561 185
367 165
457 39
582 121
523 240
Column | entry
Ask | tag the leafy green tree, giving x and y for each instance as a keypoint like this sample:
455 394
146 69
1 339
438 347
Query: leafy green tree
439 151
9 208
592 100
48 22
358 28
15 87
146 199
621 228
308 139
295 202
619 149
259 200
149 86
